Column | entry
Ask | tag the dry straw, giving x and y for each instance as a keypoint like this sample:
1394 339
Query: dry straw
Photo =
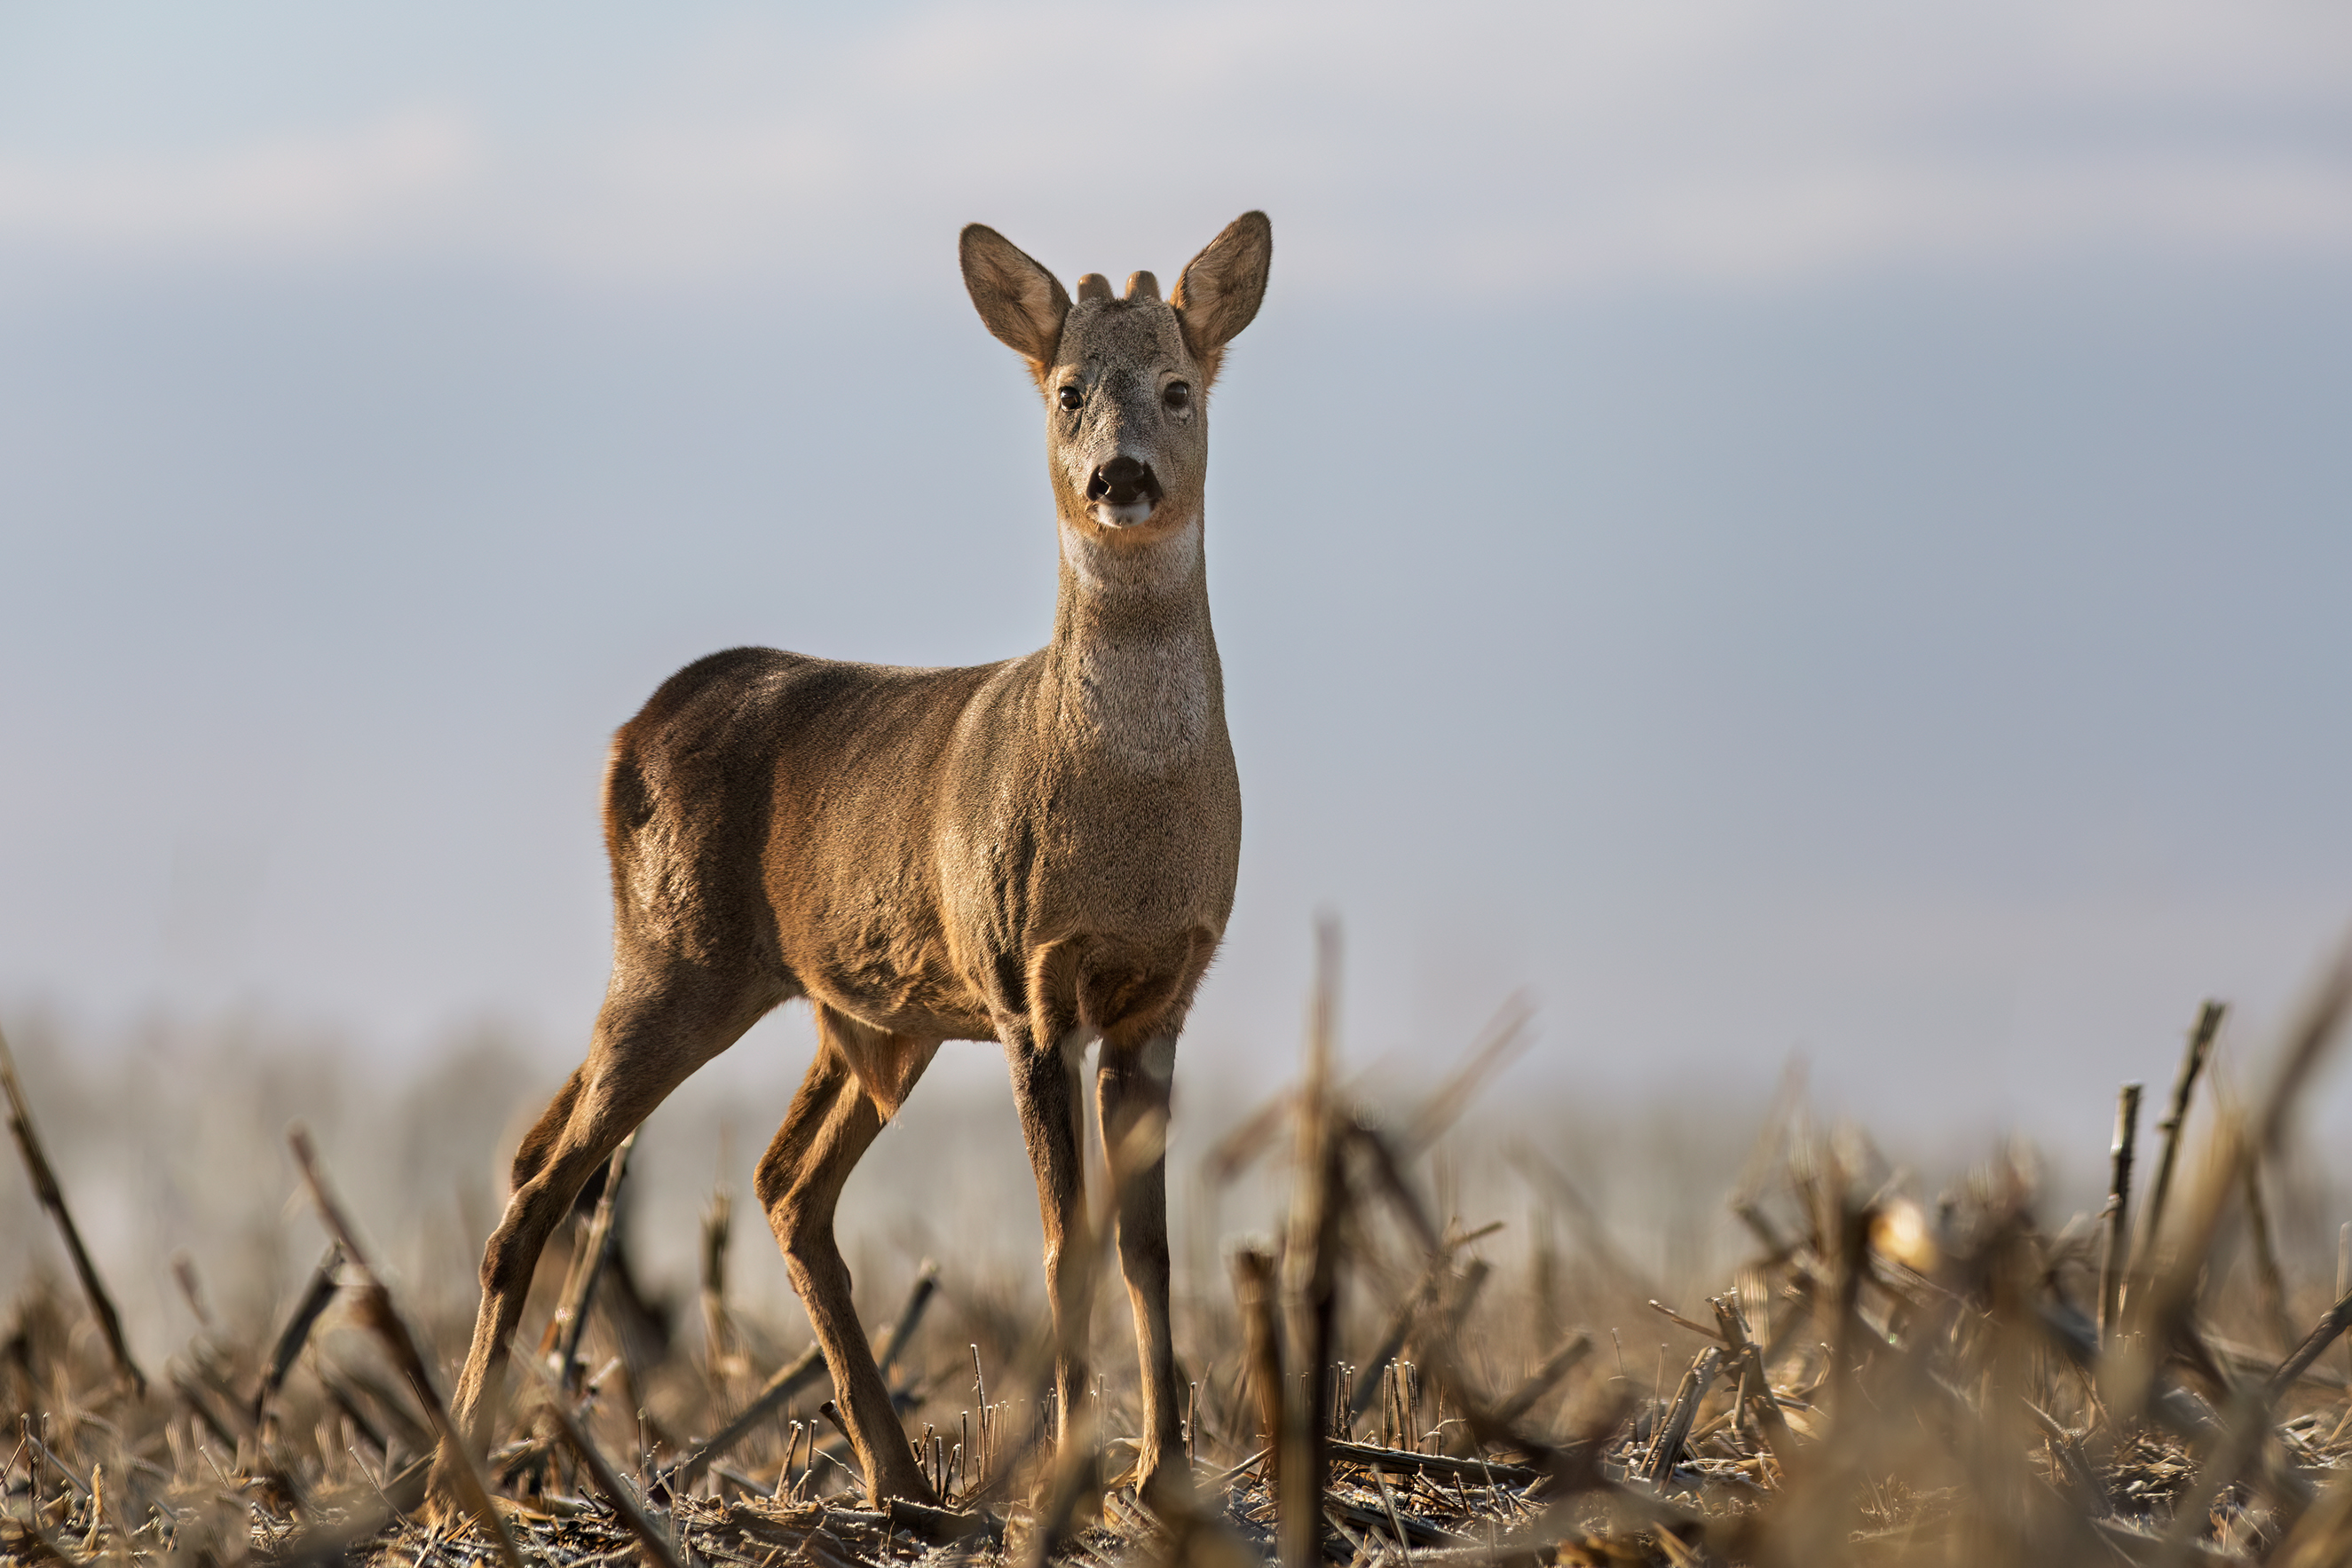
1884 1378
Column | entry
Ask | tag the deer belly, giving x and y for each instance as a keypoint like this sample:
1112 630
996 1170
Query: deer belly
896 977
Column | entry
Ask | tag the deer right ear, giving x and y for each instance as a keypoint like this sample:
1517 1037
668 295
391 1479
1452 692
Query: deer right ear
1222 287
1022 303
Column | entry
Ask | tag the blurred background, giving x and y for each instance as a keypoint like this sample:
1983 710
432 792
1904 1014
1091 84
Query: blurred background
1776 527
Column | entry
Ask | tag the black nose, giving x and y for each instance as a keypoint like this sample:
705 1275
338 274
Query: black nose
1122 482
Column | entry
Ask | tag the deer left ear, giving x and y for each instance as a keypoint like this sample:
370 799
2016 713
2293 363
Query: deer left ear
1022 303
1220 289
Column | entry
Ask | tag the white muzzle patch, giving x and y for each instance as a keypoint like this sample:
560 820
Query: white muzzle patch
1125 517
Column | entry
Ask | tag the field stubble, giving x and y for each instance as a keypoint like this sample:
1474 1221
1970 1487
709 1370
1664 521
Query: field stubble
1412 1334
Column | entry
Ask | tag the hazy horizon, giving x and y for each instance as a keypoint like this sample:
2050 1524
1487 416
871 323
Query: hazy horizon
1768 527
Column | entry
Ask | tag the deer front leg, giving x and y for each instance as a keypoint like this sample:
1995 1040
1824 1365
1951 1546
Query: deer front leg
1046 1091
1132 1089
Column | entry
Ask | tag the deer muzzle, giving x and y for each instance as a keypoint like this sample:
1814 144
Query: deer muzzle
1123 492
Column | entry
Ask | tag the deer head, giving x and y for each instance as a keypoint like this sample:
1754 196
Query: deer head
1124 378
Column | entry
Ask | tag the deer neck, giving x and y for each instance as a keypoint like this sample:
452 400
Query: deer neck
1134 664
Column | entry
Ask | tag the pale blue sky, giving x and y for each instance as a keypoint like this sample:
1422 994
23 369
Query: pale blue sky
1787 525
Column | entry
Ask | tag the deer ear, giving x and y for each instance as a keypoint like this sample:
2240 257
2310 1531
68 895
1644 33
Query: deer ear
1219 293
1022 303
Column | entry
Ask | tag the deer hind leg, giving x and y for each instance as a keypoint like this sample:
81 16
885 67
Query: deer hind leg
860 1076
655 1029
1132 1087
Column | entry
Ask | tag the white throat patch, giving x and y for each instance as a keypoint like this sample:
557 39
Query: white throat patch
1163 568
1144 699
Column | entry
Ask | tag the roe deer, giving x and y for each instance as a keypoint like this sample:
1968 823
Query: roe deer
1040 851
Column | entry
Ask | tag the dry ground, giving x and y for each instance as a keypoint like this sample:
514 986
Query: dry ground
1879 1376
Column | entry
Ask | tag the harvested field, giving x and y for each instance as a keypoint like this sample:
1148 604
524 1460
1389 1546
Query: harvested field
1882 1375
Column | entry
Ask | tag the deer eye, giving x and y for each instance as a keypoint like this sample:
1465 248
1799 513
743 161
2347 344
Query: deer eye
1178 396
1072 397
